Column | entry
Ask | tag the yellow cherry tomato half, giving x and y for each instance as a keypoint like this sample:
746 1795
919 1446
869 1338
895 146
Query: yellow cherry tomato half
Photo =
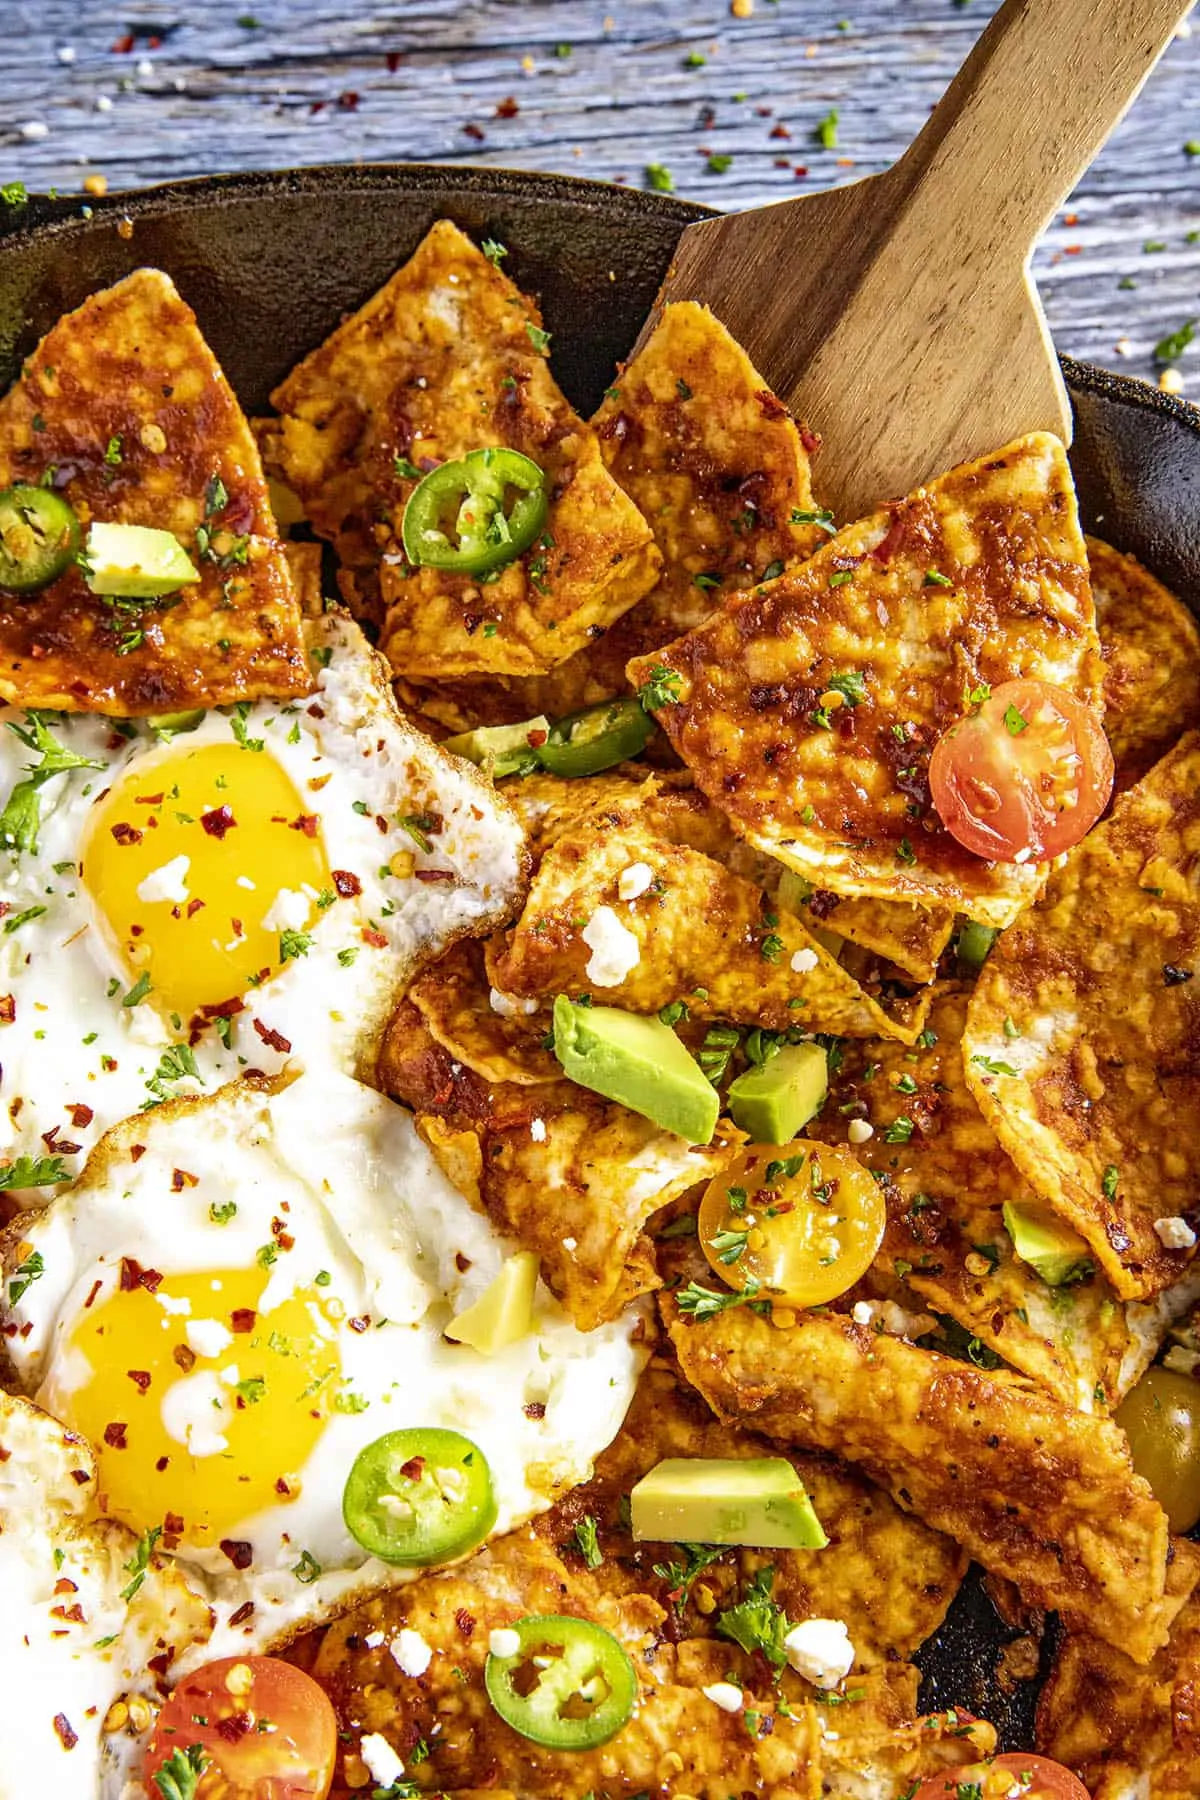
1161 1417
802 1221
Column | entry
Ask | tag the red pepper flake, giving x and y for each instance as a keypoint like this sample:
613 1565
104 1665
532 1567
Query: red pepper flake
218 821
535 739
185 1356
274 1040
307 823
780 131
148 799
360 1325
239 1552
81 1115
394 59
126 834
465 1621
474 131
136 1152
892 539
245 1611
173 1524
180 1178
810 439
770 405
508 108
376 939
381 824
158 1665
800 172
281 1487
8 1008
140 1378
781 162
413 1469
314 711
71 1615
1072 249
348 102
316 106
242 1319
221 1009
462 1263
347 884
193 907
64 1586
91 1299
123 45
430 875
134 1276
66 1737
535 1410
114 1435
163 1461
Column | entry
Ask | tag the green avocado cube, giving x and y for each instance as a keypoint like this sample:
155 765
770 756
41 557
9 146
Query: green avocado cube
640 1063
136 562
772 1102
503 1313
1058 1254
757 1501
501 749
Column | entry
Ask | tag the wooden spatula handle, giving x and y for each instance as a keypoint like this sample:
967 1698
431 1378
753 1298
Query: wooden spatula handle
1039 94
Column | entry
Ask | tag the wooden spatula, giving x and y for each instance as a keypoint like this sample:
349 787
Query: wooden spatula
897 316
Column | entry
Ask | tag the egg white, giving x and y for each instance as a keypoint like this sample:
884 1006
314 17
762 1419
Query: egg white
357 763
365 1201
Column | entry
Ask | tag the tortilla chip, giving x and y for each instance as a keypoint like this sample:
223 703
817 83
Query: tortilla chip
304 564
1035 1492
946 1186
1097 1096
549 807
910 937
572 1176
705 936
443 360
1151 650
885 1574
841 795
1127 1729
123 409
676 1741
498 1043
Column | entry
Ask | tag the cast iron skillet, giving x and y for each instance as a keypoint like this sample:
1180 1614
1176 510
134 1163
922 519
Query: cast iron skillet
271 262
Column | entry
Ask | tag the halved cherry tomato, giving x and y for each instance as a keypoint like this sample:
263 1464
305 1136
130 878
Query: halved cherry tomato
252 1727
803 1222
1014 1777
1161 1418
1024 776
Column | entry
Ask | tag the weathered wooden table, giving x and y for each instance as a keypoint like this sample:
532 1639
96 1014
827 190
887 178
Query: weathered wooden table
724 108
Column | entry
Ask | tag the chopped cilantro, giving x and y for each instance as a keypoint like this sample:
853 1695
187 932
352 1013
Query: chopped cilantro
771 948
817 515
31 1270
586 1543
293 945
701 1303
680 1576
933 579
418 827
851 685
139 1562
138 991
179 1776
408 470
991 1067
494 252
899 1131
538 338
826 132
252 1389
905 853
1015 722
221 1215
307 1569
720 163
660 178
1112 1177
756 1622
661 690
1171 348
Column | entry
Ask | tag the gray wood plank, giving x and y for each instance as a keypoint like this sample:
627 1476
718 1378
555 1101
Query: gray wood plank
604 88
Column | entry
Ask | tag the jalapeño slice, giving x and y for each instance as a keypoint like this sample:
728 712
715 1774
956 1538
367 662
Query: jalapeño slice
419 1496
39 538
476 514
598 737
570 1685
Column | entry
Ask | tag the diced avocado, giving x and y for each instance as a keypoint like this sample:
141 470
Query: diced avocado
503 1313
974 944
501 749
136 562
794 894
169 725
1058 1254
775 1099
759 1501
640 1063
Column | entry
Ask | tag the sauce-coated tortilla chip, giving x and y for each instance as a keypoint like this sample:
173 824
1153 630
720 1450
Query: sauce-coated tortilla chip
695 932
123 410
912 937
499 1039
443 360
946 1181
1130 1730
1151 650
572 1176
1037 1493
1096 1098
676 1741
808 708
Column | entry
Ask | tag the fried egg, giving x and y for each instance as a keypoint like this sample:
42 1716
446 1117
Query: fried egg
182 905
240 1294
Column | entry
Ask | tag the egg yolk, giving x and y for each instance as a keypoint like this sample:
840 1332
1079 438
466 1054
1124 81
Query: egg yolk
202 1409
189 857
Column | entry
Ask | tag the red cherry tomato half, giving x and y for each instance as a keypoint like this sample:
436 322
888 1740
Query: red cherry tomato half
1015 1777
1024 776
256 1729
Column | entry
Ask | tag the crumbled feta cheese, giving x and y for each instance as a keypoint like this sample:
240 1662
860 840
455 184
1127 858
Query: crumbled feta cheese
103 103
1175 1234
66 54
373 1639
615 950
504 1641
1022 856
725 1695
34 130
509 1006
289 911
207 1337
820 1650
166 883
411 1652
537 1130
862 1312
803 961
859 1131
145 68
634 880
383 1765
570 1244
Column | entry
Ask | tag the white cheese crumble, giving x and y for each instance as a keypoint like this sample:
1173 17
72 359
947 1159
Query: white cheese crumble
510 1006
633 881
537 1130
804 961
859 1131
1175 1234
192 1412
504 1641
167 883
862 1312
820 1650
383 1765
411 1652
289 911
615 950
207 1337
725 1695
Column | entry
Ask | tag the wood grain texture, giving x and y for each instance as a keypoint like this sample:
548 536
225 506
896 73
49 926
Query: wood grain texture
312 83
